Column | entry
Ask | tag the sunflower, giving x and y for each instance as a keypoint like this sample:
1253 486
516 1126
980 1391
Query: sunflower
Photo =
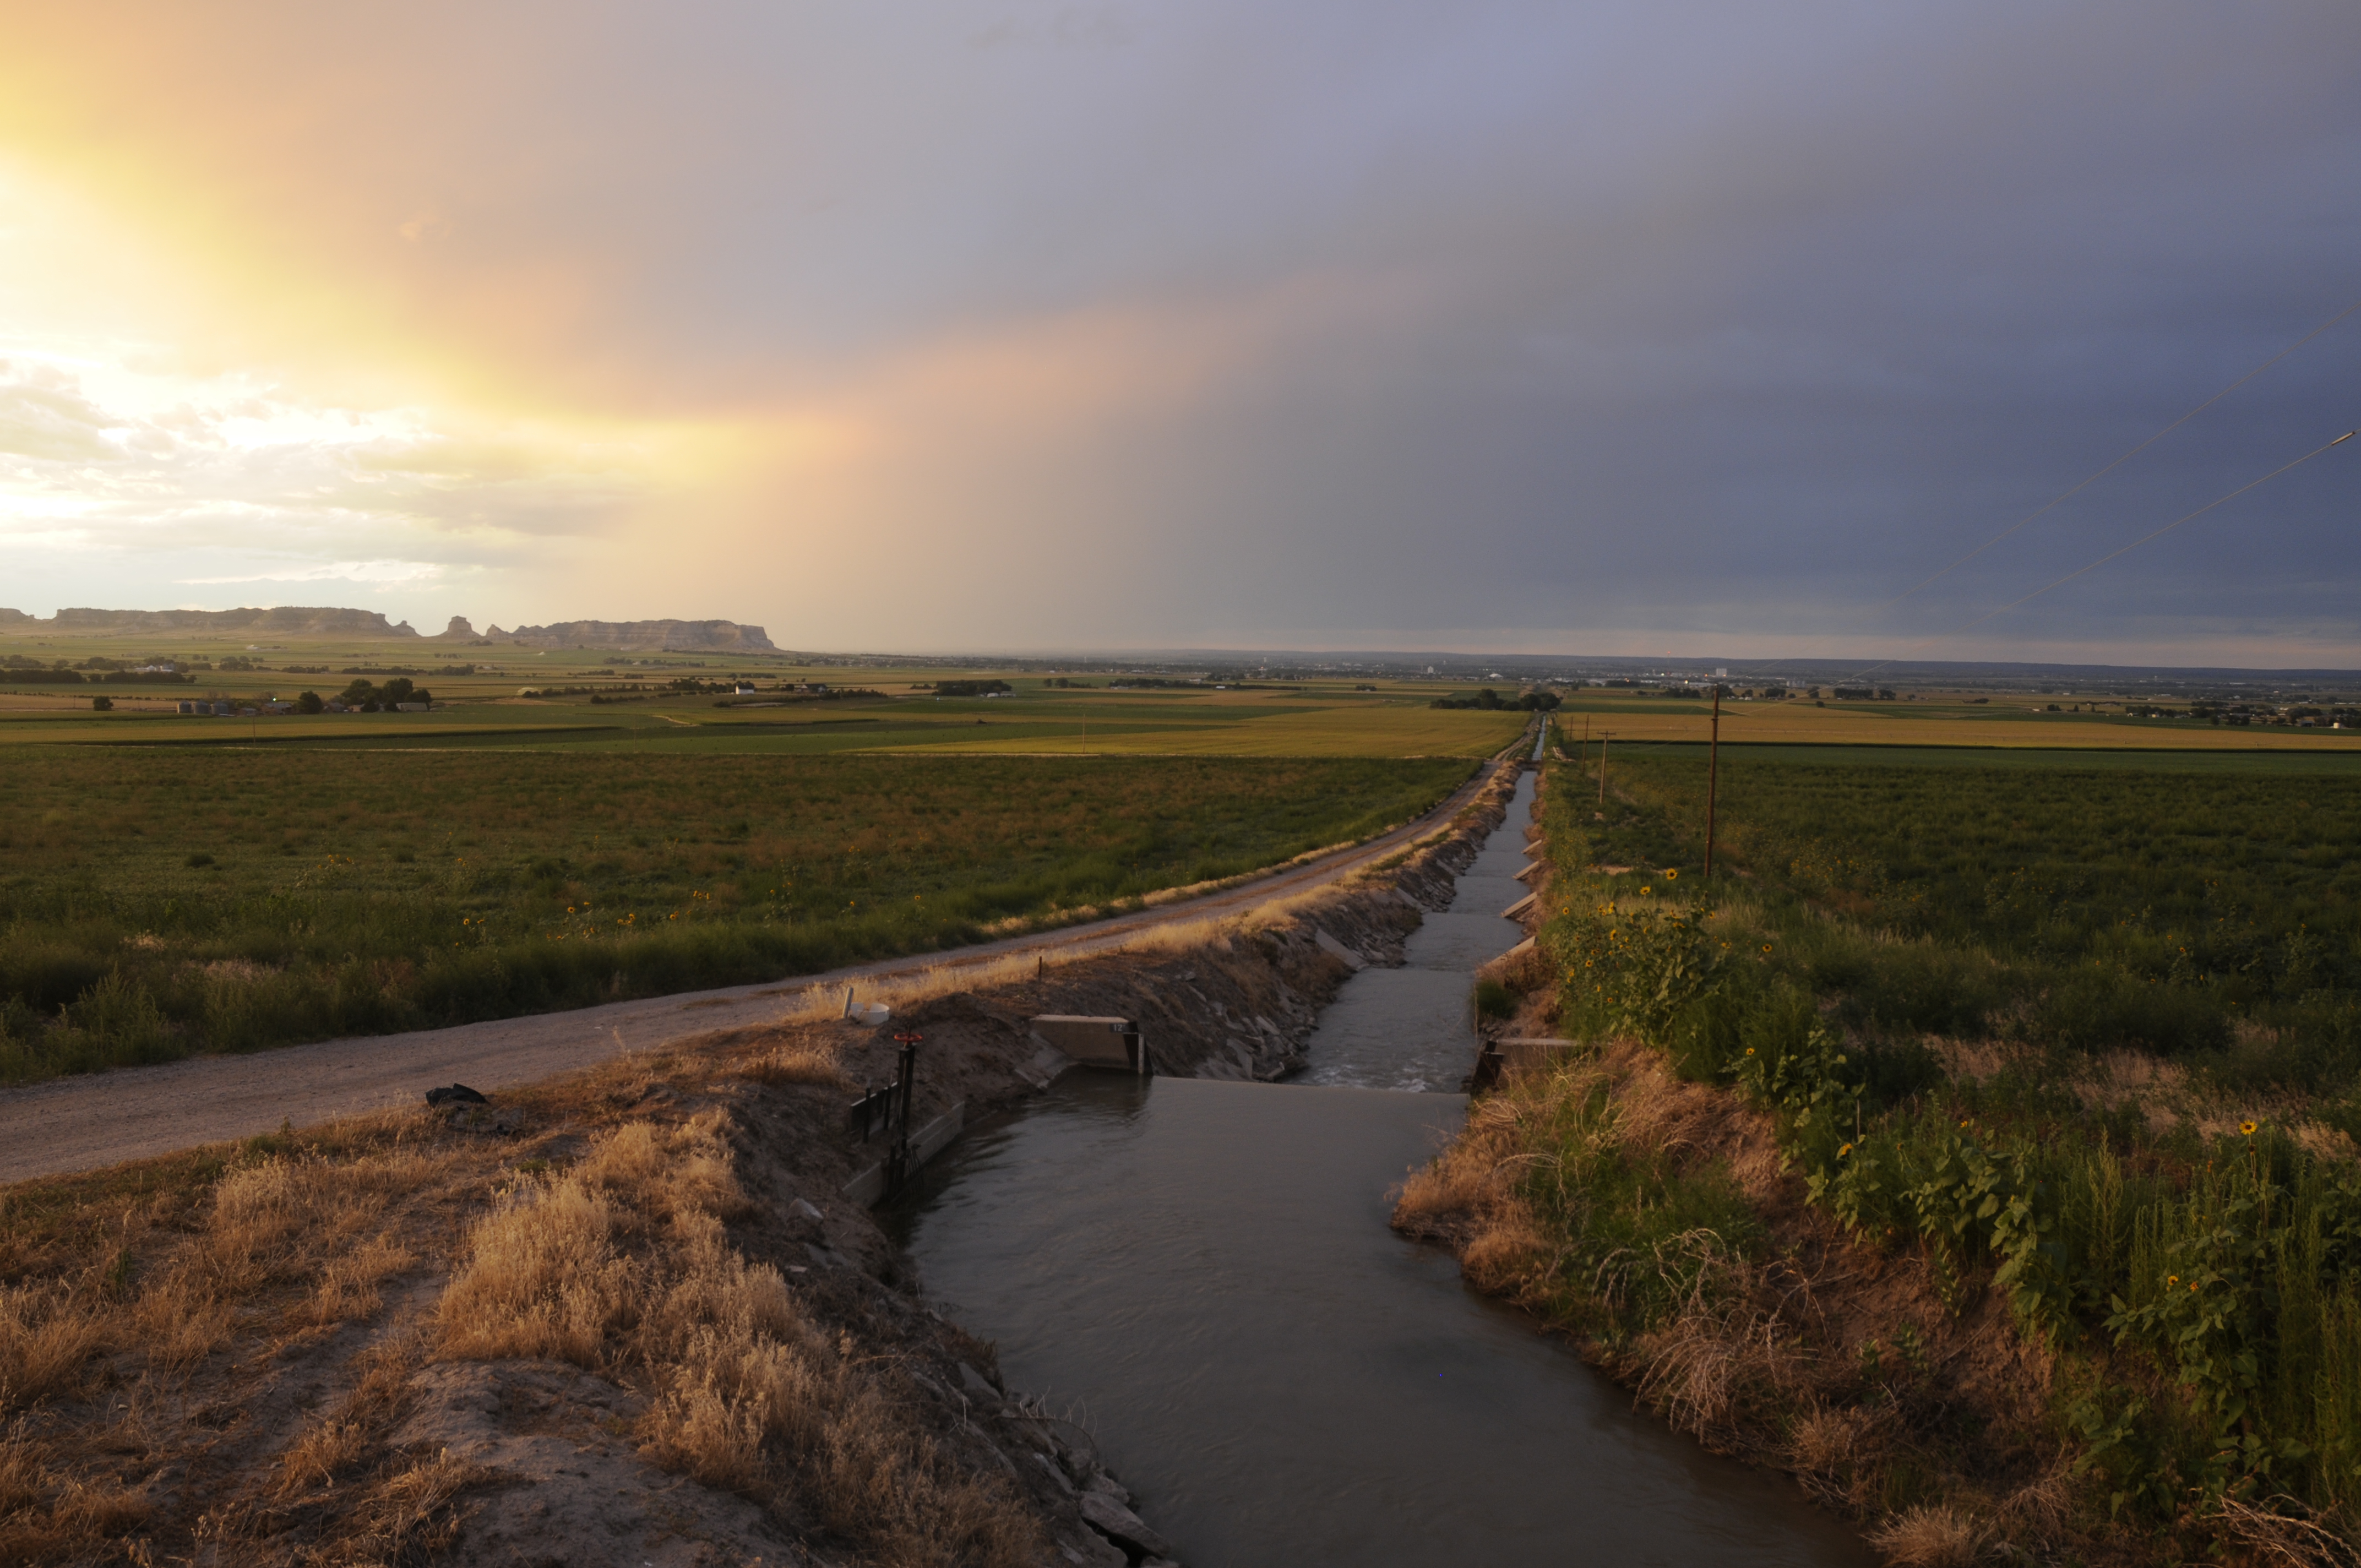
2249 1126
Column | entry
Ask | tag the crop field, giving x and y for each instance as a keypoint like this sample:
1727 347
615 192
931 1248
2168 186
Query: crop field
2088 1037
1031 718
1940 719
2192 895
160 901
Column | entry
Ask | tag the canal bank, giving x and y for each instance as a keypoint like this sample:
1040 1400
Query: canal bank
1202 1275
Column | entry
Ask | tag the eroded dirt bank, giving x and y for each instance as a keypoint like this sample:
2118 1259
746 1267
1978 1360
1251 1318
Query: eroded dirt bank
625 1316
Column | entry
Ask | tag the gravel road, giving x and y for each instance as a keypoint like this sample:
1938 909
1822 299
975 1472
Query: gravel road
84 1123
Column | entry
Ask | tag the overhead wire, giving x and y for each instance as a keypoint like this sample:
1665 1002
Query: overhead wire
2094 478
2085 484
2120 550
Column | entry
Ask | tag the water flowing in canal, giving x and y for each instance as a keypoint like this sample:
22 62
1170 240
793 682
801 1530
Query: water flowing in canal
1202 1274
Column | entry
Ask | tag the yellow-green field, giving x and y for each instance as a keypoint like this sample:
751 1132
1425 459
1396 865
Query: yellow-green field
628 709
1934 719
607 702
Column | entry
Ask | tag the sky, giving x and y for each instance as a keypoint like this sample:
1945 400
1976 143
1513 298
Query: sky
1677 329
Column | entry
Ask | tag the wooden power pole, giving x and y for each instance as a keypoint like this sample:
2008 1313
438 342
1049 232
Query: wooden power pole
1602 767
1712 778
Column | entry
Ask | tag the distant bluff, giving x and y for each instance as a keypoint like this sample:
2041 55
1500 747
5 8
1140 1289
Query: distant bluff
286 620
299 621
643 636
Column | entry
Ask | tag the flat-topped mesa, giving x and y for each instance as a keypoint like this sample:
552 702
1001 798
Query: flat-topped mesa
644 636
284 621
296 620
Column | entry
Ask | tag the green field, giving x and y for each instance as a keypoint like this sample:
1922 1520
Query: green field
2084 1032
160 901
2157 905
585 699
571 826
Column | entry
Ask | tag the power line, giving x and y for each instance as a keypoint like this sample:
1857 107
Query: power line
2111 555
2078 488
2069 495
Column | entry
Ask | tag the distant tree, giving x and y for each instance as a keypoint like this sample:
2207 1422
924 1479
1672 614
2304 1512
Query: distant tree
102 704
398 689
309 703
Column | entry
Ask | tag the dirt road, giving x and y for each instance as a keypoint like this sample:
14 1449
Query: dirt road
79 1124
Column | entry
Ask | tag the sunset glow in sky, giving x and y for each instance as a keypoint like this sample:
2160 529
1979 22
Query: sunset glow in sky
1604 328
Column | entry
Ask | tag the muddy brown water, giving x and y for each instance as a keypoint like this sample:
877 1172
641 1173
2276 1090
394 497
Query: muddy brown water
1202 1274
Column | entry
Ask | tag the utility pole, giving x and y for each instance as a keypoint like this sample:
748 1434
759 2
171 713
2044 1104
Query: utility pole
1603 736
1712 778
898 1159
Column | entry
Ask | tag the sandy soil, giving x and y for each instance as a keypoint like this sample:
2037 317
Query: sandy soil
85 1123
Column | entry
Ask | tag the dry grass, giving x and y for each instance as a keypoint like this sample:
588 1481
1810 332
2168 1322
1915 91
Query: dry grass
822 1004
50 1514
178 1322
47 1333
1750 1349
313 1459
622 1265
1730 1347
1210 932
408 1516
901 992
2114 1079
1829 1442
1930 1535
2282 1531
800 1061
543 1278
203 1290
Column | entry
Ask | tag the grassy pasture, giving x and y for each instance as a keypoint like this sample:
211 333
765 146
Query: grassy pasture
160 901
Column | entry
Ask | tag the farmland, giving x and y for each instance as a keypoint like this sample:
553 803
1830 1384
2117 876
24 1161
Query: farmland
578 699
2195 893
2072 1042
168 900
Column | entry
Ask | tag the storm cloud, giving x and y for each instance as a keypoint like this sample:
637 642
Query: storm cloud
1601 328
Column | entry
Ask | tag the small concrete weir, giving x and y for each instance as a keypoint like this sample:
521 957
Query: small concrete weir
1201 1273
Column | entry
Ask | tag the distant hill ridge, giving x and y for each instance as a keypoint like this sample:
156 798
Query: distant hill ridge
626 636
297 620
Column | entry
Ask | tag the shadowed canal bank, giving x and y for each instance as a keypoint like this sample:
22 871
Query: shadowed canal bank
1203 1275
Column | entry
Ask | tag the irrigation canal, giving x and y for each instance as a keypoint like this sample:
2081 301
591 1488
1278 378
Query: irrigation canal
1202 1274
